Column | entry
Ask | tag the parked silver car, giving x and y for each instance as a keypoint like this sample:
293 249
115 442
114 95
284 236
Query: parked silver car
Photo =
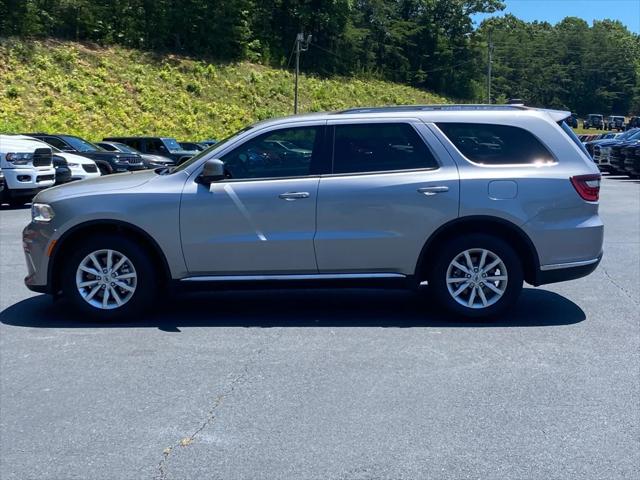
471 200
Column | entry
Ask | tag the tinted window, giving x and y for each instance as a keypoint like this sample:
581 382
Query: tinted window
154 145
106 146
379 147
80 145
280 153
496 144
56 142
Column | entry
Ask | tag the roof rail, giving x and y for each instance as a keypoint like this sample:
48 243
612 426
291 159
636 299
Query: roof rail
428 108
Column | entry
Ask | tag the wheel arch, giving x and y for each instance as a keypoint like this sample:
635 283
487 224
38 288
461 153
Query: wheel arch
94 227
481 224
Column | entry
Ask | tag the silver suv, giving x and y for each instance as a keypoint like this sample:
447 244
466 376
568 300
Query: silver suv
471 200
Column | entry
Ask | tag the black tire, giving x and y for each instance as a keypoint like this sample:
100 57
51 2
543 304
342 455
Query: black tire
104 168
451 250
146 282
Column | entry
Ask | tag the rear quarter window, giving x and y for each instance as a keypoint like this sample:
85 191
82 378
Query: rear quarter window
489 144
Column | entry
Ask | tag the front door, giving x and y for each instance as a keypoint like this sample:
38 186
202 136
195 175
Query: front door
260 220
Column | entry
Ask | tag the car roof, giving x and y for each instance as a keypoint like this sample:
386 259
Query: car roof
431 113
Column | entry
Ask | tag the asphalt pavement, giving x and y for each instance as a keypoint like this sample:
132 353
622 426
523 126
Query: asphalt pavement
328 384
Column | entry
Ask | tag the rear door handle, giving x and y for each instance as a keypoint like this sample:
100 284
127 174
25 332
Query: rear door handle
429 191
289 196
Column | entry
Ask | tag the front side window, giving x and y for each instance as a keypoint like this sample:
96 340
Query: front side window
379 147
280 153
154 145
490 144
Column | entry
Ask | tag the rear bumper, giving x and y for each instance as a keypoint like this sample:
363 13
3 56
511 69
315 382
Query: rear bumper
566 271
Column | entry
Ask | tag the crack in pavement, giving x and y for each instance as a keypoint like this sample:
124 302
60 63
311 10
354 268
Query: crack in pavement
238 380
619 287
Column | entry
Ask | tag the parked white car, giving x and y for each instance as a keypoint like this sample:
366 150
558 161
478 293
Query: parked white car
81 167
27 168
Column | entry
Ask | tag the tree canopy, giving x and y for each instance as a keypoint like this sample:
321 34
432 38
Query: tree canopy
430 44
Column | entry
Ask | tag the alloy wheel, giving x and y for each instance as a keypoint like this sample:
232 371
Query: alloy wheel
477 278
106 279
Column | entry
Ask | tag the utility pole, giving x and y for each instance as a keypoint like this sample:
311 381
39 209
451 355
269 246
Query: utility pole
302 45
489 62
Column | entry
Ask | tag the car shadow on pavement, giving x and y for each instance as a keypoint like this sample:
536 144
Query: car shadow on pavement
300 308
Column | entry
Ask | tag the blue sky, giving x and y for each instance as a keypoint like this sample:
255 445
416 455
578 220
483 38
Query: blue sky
627 11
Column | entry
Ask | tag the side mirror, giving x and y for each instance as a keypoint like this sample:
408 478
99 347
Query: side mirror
212 172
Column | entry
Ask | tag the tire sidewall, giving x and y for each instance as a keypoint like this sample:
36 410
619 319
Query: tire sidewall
513 264
146 283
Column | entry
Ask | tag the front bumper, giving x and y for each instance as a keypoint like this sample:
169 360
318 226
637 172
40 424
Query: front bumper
36 242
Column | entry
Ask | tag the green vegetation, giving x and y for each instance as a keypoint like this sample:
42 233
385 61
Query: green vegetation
429 44
95 91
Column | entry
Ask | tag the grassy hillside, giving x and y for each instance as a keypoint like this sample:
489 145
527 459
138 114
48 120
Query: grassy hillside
93 92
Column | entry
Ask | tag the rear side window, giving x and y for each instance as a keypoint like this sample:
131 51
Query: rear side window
379 147
489 144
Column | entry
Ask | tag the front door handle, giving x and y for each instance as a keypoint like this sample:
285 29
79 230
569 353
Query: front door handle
429 191
289 196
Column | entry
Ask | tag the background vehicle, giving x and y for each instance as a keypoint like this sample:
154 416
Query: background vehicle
150 160
572 121
192 146
81 167
107 162
164 146
246 212
634 122
602 151
63 172
27 168
618 154
615 122
594 120
632 161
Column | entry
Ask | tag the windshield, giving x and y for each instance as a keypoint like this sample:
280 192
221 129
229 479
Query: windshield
81 145
126 148
172 144
206 151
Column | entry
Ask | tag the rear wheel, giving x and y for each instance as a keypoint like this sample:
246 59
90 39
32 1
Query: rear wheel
109 277
477 276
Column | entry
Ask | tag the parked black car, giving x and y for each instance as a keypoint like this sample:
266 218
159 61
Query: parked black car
617 156
164 146
150 161
63 172
634 122
107 162
632 161
594 120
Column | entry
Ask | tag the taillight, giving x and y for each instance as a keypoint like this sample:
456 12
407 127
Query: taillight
587 186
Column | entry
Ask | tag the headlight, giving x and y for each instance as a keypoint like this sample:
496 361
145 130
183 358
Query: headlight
73 165
41 212
20 158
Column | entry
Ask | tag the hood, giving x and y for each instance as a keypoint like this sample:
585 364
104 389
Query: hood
157 159
102 184
184 152
74 158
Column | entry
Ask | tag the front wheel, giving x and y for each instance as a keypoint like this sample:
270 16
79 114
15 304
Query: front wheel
477 276
109 277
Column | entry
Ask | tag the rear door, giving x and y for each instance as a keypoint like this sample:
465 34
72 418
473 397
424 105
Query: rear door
392 185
